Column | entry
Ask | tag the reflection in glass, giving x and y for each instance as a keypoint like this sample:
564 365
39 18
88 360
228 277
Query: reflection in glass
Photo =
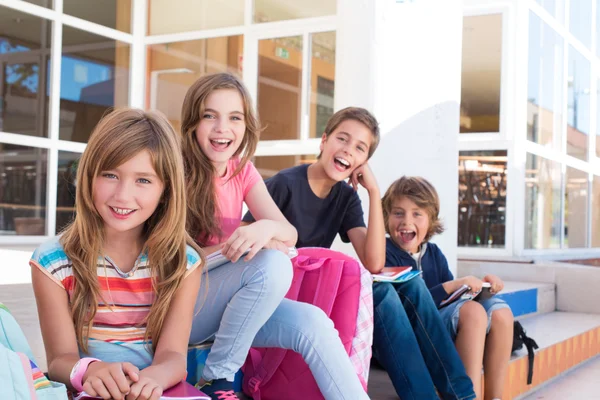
280 10
115 14
24 73
41 3
481 74
580 21
578 104
596 211
576 199
94 78
556 8
270 165
482 198
280 87
542 203
174 16
174 67
544 84
322 78
22 190
65 194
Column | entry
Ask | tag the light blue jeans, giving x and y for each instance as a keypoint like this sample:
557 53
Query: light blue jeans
243 305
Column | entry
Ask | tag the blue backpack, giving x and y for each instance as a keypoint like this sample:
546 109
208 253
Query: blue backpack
20 378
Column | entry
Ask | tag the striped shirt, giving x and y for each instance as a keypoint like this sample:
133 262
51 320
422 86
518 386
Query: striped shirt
118 328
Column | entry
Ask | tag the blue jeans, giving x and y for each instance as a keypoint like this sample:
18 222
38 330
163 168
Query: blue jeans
243 305
411 342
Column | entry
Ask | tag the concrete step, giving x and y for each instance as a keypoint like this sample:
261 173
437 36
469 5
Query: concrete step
529 298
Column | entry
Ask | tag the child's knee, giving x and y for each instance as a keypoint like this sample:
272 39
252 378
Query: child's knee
275 268
473 314
503 319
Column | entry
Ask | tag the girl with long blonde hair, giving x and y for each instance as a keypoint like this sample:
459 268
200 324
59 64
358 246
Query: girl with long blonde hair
243 304
115 291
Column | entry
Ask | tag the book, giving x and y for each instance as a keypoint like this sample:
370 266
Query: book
390 274
407 276
216 259
181 391
463 293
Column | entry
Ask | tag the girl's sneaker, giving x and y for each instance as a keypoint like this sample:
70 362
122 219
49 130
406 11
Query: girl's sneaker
219 389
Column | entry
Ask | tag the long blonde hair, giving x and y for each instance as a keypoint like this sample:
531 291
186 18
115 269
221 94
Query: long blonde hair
200 173
117 138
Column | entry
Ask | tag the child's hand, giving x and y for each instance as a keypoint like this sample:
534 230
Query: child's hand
497 284
277 245
110 380
145 389
473 282
365 177
254 237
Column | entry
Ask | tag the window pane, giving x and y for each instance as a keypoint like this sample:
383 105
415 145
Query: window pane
482 198
481 73
271 165
43 3
280 87
280 10
578 105
24 51
596 212
576 199
544 84
172 16
580 20
322 81
175 66
598 118
22 190
94 78
65 196
114 14
555 8
542 203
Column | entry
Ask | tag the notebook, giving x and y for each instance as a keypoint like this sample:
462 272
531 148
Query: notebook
181 391
463 292
216 259
390 274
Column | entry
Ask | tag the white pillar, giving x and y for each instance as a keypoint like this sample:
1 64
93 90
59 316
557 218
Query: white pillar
413 62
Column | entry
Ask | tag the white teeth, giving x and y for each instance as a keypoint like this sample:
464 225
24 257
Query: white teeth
122 211
221 141
342 161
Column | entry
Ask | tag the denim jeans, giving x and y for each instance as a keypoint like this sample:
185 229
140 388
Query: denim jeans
411 342
243 305
451 314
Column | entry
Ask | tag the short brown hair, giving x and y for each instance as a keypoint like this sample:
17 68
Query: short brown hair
422 193
357 114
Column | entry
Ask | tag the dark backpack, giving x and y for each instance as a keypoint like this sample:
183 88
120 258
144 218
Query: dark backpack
520 338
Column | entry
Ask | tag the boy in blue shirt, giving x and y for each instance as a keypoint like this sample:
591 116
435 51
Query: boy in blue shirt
483 332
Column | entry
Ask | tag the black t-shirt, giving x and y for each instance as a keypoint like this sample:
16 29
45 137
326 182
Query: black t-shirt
317 220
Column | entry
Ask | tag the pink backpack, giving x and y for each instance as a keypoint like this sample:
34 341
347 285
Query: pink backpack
340 286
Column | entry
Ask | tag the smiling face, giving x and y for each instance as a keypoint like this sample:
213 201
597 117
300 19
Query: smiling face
408 224
222 127
128 195
346 149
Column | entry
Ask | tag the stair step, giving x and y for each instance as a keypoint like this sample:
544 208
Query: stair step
529 298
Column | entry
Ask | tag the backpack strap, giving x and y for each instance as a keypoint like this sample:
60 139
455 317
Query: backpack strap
531 345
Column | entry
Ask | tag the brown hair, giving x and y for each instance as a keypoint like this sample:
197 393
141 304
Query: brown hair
422 193
202 206
356 114
118 137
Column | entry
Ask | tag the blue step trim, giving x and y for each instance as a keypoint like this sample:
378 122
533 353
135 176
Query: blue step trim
521 302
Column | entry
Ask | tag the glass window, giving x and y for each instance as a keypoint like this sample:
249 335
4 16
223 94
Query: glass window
322 81
115 14
43 3
576 199
175 66
280 87
596 211
94 78
173 16
580 20
270 165
65 196
24 73
22 190
542 203
598 118
555 7
481 74
544 84
482 198
280 10
578 105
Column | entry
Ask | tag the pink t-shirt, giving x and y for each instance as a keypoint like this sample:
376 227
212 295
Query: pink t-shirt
231 194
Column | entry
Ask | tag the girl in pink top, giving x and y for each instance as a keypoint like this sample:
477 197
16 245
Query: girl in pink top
243 304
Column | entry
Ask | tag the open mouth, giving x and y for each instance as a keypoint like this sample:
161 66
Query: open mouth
341 163
220 144
122 212
407 236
